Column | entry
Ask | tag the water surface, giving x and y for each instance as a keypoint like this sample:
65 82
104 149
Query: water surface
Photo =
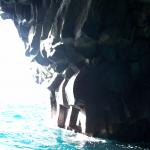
28 127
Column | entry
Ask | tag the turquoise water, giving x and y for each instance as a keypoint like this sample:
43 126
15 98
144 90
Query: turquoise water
28 127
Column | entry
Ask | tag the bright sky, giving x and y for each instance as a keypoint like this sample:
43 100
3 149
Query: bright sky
16 83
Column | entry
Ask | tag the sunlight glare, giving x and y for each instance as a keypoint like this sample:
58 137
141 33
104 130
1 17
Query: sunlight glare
16 83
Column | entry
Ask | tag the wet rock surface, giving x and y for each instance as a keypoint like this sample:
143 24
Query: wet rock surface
106 44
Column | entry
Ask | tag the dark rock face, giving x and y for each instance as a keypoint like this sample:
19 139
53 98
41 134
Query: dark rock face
105 45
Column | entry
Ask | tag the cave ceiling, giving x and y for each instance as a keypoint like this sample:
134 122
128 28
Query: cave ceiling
81 29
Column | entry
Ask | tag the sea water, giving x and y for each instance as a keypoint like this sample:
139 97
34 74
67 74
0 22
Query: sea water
28 127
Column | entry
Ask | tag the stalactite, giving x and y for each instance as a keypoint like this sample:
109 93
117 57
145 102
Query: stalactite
59 98
82 18
58 24
70 95
81 120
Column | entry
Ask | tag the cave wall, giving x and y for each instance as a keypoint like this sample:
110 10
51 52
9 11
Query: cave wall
108 41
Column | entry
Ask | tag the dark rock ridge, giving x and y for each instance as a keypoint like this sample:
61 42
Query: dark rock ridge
104 45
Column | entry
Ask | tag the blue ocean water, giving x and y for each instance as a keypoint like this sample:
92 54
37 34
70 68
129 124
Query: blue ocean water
28 127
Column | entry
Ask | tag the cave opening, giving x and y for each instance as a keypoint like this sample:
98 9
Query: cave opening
25 82
17 84
92 56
